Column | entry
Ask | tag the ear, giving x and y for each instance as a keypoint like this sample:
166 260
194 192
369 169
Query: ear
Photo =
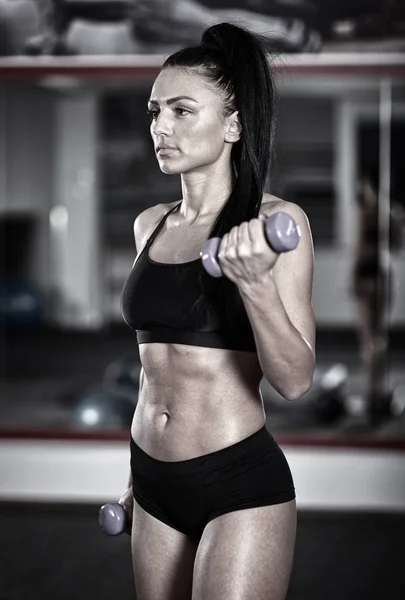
234 128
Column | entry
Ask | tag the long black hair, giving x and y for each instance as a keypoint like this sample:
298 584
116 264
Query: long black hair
237 62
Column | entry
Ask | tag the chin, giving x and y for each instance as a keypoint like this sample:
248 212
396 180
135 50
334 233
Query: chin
172 167
170 170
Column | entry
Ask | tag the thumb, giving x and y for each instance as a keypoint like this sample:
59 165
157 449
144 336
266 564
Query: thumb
127 504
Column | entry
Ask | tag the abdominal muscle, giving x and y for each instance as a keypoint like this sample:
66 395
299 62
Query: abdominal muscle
194 400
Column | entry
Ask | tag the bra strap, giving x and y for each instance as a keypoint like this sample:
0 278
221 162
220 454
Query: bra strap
160 225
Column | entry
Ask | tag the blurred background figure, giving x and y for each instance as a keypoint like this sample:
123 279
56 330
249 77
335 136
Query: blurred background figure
372 286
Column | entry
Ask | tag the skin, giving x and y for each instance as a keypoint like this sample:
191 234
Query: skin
195 400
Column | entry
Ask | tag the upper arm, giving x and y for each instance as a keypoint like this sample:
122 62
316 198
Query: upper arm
293 274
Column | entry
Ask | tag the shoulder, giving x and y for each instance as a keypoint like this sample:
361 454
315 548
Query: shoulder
272 204
304 253
151 215
146 221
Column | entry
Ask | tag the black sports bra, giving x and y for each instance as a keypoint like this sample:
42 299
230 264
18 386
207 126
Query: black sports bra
156 300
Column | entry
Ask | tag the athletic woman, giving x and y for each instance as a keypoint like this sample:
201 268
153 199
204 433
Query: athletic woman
211 494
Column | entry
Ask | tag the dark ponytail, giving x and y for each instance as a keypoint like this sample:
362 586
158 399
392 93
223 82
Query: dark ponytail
235 61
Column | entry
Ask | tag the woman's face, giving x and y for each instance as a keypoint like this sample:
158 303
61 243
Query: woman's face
195 127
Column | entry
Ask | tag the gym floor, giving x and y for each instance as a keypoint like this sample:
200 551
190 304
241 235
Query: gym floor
58 550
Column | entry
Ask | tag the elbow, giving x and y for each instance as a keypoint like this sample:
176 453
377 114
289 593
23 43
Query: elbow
294 390
297 393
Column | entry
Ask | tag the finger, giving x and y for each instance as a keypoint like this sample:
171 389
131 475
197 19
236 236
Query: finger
223 246
233 242
244 235
256 231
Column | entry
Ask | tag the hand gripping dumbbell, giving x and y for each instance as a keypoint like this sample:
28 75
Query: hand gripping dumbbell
280 231
113 519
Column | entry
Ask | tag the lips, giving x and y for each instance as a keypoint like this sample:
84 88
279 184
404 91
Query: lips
163 151
165 147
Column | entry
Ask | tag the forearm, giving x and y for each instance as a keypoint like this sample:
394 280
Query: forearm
286 359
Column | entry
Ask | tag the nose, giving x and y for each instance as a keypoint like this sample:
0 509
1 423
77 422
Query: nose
161 126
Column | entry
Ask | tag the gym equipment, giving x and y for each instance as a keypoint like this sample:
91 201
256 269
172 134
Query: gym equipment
47 44
86 27
123 372
22 303
98 407
281 233
112 402
19 20
113 519
398 400
329 399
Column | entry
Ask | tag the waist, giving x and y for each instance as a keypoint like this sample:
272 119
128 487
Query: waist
184 435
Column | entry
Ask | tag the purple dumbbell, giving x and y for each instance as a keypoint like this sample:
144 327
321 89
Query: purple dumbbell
113 518
280 230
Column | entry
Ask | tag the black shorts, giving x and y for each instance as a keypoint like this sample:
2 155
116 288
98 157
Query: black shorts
187 494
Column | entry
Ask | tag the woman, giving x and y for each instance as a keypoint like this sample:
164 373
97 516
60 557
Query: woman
372 287
211 494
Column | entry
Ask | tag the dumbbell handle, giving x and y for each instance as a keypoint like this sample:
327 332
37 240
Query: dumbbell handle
113 518
280 230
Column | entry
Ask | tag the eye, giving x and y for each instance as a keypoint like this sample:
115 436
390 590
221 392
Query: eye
152 113
183 110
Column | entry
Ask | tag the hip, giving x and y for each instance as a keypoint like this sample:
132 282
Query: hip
259 454
187 494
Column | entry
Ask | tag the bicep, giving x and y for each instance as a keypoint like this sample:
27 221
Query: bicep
293 274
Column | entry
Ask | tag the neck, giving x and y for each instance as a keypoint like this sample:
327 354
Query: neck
202 203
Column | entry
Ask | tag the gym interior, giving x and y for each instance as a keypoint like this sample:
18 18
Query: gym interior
77 166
